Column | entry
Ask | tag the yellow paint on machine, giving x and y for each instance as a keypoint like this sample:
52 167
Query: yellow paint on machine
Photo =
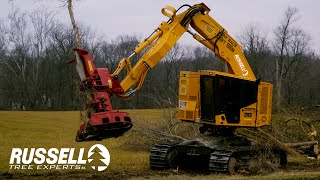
254 115
189 94
90 66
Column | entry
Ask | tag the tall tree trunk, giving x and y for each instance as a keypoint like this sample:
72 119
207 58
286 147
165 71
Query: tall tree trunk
74 24
278 85
79 64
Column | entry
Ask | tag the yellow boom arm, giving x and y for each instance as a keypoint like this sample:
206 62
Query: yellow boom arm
211 34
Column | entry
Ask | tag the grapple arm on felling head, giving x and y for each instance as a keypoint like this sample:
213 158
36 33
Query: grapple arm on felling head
103 121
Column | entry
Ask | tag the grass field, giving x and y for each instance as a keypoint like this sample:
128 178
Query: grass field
58 129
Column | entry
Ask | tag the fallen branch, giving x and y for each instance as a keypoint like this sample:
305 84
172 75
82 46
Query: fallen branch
262 136
309 143
279 143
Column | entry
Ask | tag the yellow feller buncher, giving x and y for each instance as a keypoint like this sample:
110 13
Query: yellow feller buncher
219 101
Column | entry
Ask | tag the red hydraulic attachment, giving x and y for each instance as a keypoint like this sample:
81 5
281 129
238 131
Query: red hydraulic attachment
104 122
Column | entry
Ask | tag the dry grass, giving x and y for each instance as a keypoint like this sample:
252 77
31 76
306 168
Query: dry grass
58 129
278 175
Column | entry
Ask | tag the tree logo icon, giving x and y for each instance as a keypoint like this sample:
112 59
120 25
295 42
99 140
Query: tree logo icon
99 157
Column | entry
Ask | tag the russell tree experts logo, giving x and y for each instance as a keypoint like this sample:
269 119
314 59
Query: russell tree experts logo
98 157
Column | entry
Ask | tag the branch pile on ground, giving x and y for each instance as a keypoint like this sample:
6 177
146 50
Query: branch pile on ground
293 134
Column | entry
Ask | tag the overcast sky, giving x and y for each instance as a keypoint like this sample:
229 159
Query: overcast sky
141 17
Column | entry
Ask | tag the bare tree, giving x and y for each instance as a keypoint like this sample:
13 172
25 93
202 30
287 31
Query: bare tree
18 61
172 68
297 64
257 51
283 34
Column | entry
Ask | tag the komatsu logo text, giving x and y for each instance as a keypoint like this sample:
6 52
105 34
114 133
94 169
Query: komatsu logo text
245 72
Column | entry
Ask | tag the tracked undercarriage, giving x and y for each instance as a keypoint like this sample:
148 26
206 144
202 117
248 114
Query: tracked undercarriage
228 154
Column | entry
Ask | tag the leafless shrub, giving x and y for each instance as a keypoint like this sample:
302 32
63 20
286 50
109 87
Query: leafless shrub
146 132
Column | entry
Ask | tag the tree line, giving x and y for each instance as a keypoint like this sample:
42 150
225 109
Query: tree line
35 48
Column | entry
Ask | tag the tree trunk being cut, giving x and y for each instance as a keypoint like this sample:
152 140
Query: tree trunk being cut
79 64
